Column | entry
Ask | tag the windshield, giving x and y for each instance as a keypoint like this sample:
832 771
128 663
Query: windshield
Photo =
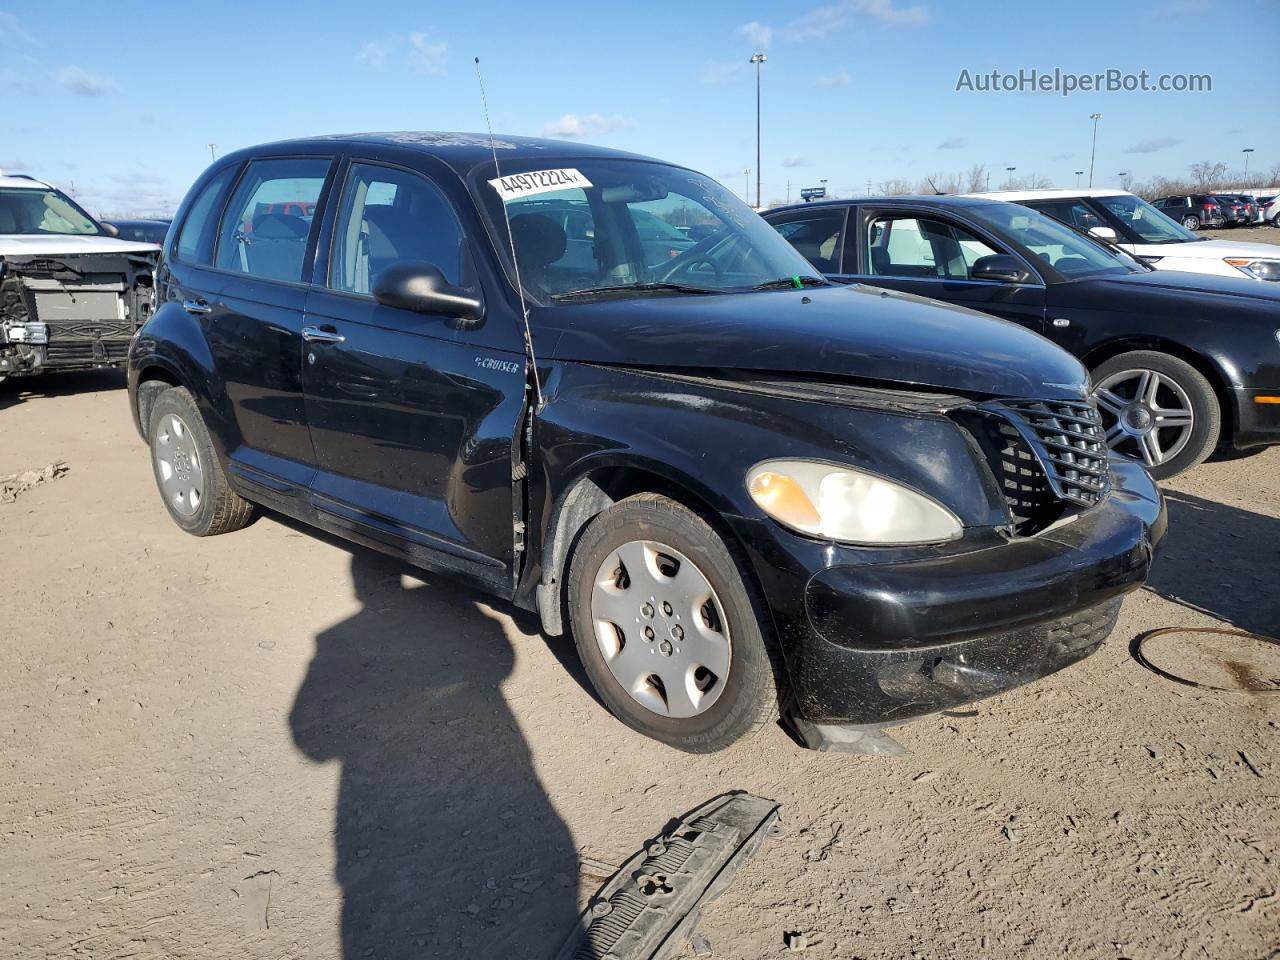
1146 221
609 228
43 211
1065 250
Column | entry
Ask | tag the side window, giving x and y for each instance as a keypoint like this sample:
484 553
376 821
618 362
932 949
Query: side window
1071 212
202 219
264 233
817 237
917 247
387 216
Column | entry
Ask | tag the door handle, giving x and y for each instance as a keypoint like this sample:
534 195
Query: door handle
197 307
321 335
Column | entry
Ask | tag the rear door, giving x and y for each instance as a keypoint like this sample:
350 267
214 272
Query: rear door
931 255
254 320
412 416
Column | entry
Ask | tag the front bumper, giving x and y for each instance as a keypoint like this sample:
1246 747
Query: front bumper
885 642
1257 421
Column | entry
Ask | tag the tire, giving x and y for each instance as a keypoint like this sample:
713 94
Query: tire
188 474
733 705
1191 223
1178 376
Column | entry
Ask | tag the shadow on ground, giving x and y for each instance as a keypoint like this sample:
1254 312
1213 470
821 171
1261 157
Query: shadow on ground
1221 560
446 843
15 390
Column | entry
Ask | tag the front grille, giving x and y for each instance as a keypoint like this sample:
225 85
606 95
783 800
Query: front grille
78 353
1047 457
1068 438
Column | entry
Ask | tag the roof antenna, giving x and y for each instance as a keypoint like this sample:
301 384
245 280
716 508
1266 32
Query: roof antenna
506 216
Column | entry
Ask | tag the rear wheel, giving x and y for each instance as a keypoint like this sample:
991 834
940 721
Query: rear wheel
669 628
1157 409
1191 222
192 483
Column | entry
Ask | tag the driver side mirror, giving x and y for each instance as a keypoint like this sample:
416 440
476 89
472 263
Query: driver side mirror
423 288
1001 268
1106 233
110 229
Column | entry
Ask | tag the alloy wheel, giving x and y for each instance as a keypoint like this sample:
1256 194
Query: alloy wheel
1146 415
178 465
661 629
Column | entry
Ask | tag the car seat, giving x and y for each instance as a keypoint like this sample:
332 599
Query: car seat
277 246
539 242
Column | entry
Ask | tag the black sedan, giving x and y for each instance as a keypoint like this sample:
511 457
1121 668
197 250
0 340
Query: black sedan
1180 362
144 231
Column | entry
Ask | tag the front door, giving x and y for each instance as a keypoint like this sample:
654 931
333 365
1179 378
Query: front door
932 256
412 419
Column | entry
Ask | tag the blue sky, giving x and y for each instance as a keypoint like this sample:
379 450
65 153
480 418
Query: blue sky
123 102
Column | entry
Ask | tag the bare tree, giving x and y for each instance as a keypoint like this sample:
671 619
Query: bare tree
894 188
975 178
1208 175
1127 180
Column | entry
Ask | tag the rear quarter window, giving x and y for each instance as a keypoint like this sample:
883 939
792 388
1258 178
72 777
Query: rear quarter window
195 241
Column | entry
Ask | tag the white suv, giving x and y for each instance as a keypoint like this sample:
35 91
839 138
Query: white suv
71 293
1143 231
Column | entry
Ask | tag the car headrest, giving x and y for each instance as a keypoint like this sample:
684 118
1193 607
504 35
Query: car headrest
540 241
280 226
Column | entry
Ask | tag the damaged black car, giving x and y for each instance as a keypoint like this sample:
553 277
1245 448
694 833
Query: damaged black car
71 293
744 491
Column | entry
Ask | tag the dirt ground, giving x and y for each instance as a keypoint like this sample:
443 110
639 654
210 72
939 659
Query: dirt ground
273 745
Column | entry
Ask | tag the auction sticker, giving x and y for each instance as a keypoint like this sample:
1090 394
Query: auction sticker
518 185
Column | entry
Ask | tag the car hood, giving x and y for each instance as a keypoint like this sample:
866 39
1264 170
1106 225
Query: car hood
53 245
1211 250
1193 288
859 332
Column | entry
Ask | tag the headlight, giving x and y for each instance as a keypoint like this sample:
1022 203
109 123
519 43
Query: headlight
1258 269
841 503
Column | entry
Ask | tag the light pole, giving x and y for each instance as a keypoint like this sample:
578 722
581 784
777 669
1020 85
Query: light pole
1010 170
1079 174
1246 151
212 156
823 181
757 59
746 185
1095 117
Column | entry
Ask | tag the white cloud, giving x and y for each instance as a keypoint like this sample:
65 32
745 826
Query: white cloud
953 143
372 55
1151 146
756 34
718 71
571 126
838 79
11 29
428 56
795 162
13 165
82 83
821 22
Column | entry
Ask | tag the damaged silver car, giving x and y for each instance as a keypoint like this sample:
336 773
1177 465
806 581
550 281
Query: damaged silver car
71 293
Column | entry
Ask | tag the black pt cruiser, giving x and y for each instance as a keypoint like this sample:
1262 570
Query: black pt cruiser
744 490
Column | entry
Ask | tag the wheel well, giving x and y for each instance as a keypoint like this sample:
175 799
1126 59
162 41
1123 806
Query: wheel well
1210 371
590 495
152 381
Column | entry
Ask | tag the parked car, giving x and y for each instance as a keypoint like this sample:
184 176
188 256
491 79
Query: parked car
1234 209
1179 362
143 231
741 487
1193 210
1144 232
71 293
1269 210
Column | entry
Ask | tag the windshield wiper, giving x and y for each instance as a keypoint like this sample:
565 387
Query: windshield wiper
793 283
663 286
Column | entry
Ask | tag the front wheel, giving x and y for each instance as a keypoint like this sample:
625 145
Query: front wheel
1157 409
192 483
1191 223
669 627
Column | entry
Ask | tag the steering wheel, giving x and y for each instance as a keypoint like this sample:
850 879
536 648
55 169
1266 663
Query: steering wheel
686 268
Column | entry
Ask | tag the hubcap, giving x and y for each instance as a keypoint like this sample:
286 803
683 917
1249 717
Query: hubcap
661 629
1146 415
178 465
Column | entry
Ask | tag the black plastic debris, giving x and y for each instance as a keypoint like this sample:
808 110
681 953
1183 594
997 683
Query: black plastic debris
653 903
